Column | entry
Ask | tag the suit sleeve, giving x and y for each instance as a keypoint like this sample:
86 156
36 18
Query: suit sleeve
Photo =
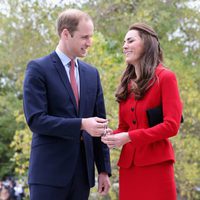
172 110
101 151
35 105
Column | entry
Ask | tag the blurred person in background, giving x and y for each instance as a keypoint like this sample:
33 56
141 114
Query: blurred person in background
5 193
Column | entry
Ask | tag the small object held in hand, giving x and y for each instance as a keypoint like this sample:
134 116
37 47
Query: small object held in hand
105 130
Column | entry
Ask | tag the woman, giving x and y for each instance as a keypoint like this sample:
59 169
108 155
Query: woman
147 158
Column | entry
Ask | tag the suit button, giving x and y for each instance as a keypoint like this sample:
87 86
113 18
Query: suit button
132 109
134 121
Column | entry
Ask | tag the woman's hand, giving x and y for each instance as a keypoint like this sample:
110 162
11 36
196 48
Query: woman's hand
116 140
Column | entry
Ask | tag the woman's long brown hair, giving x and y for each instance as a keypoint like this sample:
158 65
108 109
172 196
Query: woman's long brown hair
149 61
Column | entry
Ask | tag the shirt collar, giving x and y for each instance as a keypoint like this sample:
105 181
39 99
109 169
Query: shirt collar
64 58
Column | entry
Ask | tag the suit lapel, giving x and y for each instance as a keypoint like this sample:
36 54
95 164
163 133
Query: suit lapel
62 73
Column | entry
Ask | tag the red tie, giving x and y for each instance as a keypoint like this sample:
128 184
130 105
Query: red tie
73 81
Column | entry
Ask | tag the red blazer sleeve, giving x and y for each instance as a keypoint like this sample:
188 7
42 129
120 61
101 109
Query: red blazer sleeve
172 110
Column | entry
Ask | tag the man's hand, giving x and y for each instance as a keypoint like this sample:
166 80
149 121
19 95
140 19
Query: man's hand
103 183
95 126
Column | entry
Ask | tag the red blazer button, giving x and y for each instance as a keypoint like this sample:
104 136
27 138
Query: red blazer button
134 121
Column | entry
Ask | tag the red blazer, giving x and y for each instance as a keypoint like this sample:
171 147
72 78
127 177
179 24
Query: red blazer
150 145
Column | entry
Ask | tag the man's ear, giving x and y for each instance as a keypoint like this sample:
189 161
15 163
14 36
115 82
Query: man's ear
65 33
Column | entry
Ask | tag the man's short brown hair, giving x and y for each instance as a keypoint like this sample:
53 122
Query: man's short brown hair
69 19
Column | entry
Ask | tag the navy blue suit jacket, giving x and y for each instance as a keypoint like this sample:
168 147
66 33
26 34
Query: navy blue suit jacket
51 113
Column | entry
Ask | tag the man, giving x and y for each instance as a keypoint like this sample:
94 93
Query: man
64 108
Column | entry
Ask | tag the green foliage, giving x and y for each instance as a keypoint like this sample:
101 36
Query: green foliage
7 130
21 145
187 166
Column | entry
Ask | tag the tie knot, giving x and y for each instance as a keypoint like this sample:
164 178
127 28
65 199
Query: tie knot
72 63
